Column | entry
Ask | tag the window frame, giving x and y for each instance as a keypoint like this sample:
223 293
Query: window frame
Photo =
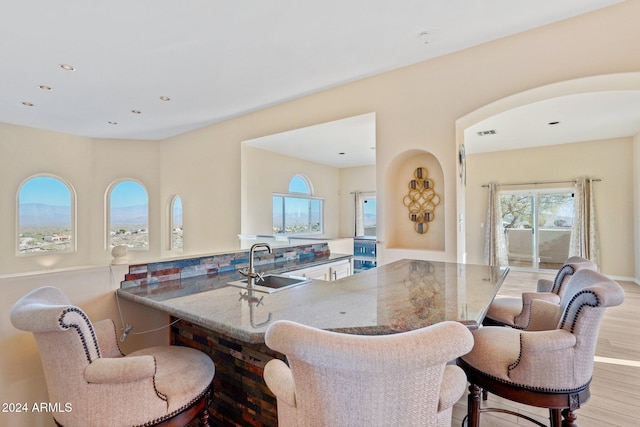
362 198
108 207
172 204
72 216
534 193
299 196
306 182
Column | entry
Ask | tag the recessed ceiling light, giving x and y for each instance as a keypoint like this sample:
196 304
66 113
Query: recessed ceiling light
553 123
136 111
111 122
27 104
424 37
67 67
45 87
165 98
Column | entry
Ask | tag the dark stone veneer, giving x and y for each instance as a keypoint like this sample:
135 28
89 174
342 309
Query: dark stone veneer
239 391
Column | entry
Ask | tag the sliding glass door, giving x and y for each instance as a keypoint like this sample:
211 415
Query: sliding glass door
537 226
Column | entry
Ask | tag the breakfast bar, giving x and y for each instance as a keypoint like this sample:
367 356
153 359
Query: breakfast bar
229 323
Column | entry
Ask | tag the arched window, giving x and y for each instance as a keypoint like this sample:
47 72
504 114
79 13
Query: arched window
176 223
300 184
129 215
297 212
45 216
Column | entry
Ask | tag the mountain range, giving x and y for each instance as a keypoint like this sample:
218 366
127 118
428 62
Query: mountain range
42 215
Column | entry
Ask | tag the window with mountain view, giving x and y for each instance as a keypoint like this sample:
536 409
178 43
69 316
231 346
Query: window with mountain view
129 215
176 224
297 212
45 216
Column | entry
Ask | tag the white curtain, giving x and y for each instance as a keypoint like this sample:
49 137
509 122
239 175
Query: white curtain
495 242
584 238
359 210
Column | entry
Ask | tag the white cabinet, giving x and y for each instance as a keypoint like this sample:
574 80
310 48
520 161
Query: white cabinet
330 271
339 270
320 272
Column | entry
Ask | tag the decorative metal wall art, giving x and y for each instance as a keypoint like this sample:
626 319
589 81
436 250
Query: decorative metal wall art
421 200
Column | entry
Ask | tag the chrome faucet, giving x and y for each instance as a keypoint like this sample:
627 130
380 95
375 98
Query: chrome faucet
251 273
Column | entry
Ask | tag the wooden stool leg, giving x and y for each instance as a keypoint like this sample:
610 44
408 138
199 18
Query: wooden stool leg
473 406
205 412
569 418
555 417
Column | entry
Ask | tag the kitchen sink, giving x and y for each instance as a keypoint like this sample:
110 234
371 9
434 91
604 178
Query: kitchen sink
270 283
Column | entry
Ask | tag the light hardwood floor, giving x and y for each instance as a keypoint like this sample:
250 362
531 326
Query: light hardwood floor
615 387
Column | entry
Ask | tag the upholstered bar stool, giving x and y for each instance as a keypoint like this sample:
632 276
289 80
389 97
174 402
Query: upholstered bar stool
550 364
342 380
83 366
514 312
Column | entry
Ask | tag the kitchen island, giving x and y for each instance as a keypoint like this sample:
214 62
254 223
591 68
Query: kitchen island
229 324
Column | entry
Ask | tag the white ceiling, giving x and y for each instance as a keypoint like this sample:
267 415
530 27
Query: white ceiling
341 143
580 117
219 59
587 116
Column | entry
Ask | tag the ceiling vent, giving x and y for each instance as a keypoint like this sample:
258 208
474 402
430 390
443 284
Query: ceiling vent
487 132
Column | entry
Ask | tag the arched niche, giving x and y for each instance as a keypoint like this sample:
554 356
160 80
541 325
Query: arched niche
400 230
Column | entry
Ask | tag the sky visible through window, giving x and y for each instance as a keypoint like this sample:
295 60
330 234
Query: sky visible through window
297 213
129 215
177 212
127 194
52 192
44 216
45 190
369 210
176 224
299 185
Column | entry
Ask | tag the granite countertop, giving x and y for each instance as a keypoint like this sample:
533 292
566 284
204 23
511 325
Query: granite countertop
400 296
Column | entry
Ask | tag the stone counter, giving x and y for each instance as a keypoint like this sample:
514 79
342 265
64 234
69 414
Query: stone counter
400 296
396 297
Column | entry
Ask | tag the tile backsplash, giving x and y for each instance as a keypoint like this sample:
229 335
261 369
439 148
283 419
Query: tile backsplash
162 271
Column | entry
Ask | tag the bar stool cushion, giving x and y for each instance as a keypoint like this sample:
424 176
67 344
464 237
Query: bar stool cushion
341 380
84 367
516 312
550 366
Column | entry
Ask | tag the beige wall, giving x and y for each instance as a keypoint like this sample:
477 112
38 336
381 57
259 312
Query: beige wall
90 167
27 152
265 173
609 160
203 168
416 109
